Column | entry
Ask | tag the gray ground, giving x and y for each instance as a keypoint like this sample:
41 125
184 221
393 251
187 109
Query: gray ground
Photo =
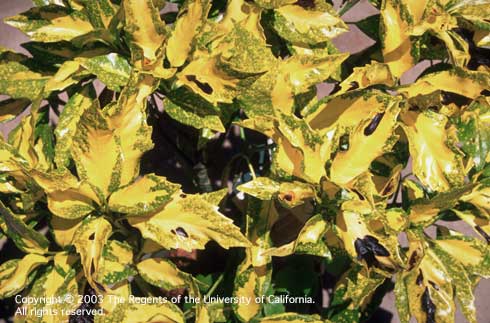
353 41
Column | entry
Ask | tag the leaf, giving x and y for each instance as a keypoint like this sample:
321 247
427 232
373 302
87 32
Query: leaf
274 92
301 151
11 108
188 222
335 117
394 33
51 23
473 131
163 273
356 287
439 270
128 120
100 12
457 80
69 73
23 235
116 263
142 313
368 75
97 151
480 224
368 247
112 69
56 282
302 25
368 140
245 53
479 197
435 162
89 241
198 119
262 188
64 230
145 28
68 122
15 274
18 80
292 318
188 25
204 77
309 240
145 195
423 212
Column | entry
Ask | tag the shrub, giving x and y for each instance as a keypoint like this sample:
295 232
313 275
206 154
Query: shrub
357 188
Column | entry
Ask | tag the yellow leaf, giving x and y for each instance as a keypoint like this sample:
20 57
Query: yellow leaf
57 281
145 195
460 81
365 76
179 44
51 24
362 242
396 43
128 120
89 240
64 230
188 222
292 318
308 25
369 140
145 28
15 274
163 273
435 164
97 151
204 77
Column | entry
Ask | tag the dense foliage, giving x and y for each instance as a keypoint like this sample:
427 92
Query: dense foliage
358 187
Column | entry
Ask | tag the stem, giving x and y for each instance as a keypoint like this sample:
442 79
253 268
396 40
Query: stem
215 285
